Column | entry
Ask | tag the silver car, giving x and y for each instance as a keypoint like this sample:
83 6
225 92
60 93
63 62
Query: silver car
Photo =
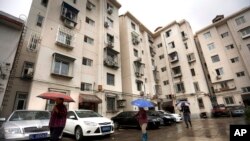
25 125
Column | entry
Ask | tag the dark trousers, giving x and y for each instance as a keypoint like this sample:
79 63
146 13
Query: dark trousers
55 133
187 119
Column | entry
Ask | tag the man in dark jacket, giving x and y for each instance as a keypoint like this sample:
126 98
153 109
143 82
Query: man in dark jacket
186 114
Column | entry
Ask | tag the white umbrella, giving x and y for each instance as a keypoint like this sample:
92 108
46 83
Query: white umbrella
182 103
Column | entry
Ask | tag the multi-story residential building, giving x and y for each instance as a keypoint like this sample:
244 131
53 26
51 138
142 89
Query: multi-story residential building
179 66
225 46
70 47
11 31
137 51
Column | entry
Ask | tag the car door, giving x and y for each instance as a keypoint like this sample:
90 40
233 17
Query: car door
120 118
71 122
131 119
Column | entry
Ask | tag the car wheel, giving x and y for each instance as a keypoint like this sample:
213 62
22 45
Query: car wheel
116 125
78 134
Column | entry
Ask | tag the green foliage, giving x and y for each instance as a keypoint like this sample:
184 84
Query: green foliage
247 113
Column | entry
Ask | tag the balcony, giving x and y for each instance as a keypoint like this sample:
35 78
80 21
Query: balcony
173 57
69 15
110 62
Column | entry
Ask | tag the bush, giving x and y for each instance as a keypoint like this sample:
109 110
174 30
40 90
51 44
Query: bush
247 113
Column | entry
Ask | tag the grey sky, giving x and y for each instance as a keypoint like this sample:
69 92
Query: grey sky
154 13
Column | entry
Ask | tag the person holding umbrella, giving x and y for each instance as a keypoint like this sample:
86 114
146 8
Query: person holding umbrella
143 121
58 119
186 114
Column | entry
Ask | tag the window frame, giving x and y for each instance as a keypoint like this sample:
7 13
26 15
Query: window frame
110 79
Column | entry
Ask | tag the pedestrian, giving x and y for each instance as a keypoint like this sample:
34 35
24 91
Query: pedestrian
57 120
143 121
186 114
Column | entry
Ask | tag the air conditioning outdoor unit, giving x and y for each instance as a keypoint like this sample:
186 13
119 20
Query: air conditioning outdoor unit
106 24
69 23
137 74
89 6
110 11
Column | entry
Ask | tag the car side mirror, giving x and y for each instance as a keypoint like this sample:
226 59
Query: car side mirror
72 117
2 119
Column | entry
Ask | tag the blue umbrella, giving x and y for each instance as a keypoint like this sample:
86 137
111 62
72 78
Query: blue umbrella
142 103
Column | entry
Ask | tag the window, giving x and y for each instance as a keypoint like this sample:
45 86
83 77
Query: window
109 9
245 32
186 45
179 87
215 58
171 45
110 38
87 62
176 71
69 15
229 100
89 21
207 35
223 35
110 22
159 45
62 65
191 57
135 53
28 70
196 86
44 3
161 56
111 104
239 74
166 82
34 42
230 47
211 46
219 71
64 38
163 69
86 86
168 33
200 103
39 20
193 72
88 40
240 20
235 59
110 79
139 85
224 85
133 26
246 89
20 101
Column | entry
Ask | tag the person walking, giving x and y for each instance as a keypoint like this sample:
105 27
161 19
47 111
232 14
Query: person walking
186 114
57 120
143 121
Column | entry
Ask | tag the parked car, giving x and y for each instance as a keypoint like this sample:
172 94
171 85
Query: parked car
236 111
26 125
178 117
82 123
167 118
220 110
128 119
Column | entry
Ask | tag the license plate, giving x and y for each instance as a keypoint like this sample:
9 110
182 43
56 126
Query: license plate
38 136
106 129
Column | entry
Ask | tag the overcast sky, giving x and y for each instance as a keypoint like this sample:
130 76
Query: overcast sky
154 13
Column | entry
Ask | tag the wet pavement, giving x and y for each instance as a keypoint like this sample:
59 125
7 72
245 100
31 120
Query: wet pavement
217 129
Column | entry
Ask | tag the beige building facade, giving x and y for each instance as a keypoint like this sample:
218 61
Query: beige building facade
226 48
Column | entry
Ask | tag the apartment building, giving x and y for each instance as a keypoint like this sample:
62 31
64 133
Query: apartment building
72 47
137 51
180 69
11 30
225 46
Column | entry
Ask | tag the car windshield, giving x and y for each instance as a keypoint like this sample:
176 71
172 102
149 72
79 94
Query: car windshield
86 114
30 115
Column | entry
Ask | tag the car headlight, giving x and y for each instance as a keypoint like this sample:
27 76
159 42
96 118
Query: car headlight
12 130
90 123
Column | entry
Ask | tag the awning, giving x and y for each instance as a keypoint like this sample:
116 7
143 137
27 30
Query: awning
89 98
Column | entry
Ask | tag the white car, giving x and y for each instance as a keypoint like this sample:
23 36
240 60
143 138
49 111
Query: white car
87 123
178 117
26 125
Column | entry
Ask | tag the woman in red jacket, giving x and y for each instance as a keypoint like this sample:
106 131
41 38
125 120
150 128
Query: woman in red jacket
143 121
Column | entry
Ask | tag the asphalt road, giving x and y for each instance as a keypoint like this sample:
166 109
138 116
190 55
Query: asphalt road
216 129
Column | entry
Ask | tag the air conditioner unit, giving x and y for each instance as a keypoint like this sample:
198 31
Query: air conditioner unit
137 74
110 11
89 6
106 24
30 72
69 23
135 41
218 77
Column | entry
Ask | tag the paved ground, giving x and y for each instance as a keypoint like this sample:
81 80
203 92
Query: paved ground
203 130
